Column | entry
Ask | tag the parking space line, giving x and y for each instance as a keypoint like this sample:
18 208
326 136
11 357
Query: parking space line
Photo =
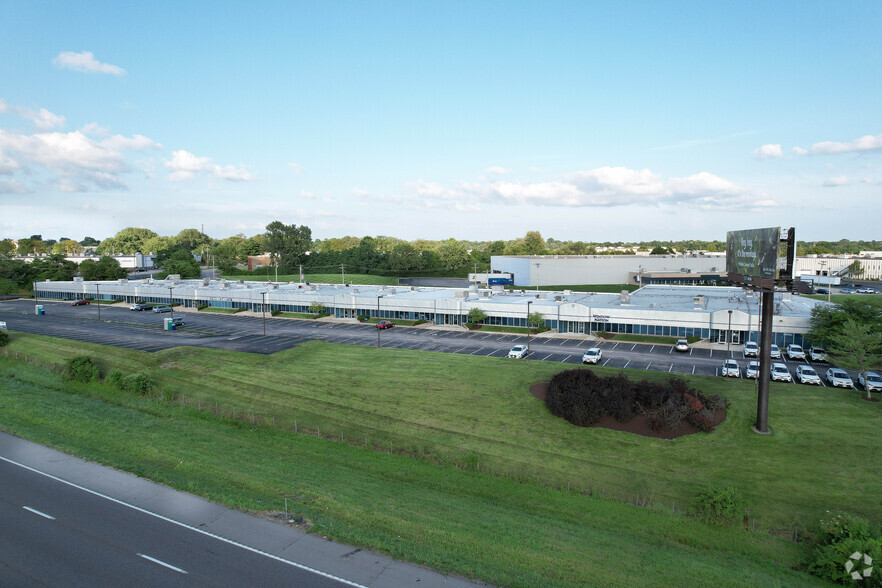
651 348
615 345
633 346
672 367
566 358
607 361
647 365
546 357
693 369
626 364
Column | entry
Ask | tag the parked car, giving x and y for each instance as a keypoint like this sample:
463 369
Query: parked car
139 307
178 321
79 302
518 352
751 349
385 325
730 369
162 308
846 291
774 352
682 345
839 378
780 373
592 355
818 354
822 291
795 351
753 370
866 291
807 375
870 381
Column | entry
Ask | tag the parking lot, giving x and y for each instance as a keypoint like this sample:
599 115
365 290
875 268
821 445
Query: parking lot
121 327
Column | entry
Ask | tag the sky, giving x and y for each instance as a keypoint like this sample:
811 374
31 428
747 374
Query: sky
479 120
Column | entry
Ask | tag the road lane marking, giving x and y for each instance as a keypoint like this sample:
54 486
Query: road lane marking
475 351
607 361
693 370
651 348
672 367
633 346
626 364
186 526
546 357
162 563
37 512
566 358
647 365
616 345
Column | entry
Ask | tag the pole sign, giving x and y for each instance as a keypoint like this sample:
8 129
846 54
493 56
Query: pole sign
752 257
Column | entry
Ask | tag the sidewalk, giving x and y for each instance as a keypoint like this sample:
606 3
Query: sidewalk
290 543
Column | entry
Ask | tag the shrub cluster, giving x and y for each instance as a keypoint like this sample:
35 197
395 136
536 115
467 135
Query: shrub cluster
82 368
137 383
583 398
719 506
4 338
840 538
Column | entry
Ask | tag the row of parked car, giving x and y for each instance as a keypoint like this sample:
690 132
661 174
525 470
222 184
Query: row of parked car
805 374
794 351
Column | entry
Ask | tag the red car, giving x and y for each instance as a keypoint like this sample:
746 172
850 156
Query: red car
79 303
385 325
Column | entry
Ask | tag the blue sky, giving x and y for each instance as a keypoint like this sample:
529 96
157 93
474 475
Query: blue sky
475 120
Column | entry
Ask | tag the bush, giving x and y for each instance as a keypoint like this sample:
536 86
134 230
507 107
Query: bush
840 526
115 379
4 338
276 312
139 383
202 307
719 506
317 307
839 538
82 368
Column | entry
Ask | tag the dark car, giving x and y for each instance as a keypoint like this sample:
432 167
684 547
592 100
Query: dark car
162 308
385 325
822 291
79 302
178 321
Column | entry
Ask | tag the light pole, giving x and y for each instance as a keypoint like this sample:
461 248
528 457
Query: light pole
729 338
529 302
378 320
170 302
98 300
263 309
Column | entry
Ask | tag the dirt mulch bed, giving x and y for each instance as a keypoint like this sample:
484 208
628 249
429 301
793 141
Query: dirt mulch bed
637 425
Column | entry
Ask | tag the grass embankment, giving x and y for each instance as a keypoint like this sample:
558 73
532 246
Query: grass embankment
655 339
475 412
221 310
874 299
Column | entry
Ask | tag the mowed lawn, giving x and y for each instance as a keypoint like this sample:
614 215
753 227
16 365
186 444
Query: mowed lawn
478 413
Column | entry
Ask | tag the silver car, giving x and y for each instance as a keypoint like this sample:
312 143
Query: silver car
807 375
730 369
780 373
753 370
592 355
518 352
774 352
751 349
870 381
839 378
795 351
818 354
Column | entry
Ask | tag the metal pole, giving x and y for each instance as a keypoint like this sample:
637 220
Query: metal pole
529 302
378 321
263 308
762 397
98 300
729 338
170 302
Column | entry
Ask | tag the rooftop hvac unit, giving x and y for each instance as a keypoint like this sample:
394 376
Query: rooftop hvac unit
486 294
275 286
122 281
76 279
461 294
206 281
558 298
567 292
355 290
173 277
625 297
240 281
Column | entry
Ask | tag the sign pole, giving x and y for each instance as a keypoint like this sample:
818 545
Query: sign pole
762 400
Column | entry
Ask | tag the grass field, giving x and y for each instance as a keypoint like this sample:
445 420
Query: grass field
519 526
367 279
874 299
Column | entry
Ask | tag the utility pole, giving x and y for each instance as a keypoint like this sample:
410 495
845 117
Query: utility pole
170 302
529 302
729 338
301 273
263 308
378 320
98 300
343 275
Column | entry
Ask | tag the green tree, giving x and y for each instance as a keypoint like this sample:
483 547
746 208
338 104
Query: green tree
287 244
192 240
55 268
453 254
535 319
90 242
181 262
476 315
404 257
855 269
534 244
659 251
25 246
128 241
7 247
106 268
858 346
4 338
828 322
317 307
225 253
70 247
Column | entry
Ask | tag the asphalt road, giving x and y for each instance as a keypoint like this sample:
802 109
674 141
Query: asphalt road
143 330
52 533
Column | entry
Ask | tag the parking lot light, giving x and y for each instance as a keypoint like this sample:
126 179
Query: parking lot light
98 300
529 302
378 320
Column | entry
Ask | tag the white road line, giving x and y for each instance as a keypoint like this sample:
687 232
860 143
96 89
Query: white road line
37 512
491 353
562 342
162 563
475 351
633 346
607 361
672 367
546 357
626 364
693 370
186 526
566 358
615 345
670 351
651 348
647 365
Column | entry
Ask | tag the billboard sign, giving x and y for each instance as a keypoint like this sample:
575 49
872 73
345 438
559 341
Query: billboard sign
752 256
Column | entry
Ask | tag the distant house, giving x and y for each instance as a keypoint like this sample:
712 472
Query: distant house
256 261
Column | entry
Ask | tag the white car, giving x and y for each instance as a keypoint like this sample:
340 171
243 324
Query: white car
730 369
839 378
753 370
774 352
870 381
518 352
592 355
795 351
818 354
780 373
751 349
682 345
807 375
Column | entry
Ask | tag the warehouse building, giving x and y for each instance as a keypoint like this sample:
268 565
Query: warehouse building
711 313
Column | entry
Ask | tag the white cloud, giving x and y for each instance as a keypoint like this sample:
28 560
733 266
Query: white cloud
836 181
85 62
184 166
296 167
770 151
43 119
865 143
12 187
496 170
94 129
4 106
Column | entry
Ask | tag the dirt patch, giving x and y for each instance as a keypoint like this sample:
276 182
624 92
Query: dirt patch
636 425
278 516
167 365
